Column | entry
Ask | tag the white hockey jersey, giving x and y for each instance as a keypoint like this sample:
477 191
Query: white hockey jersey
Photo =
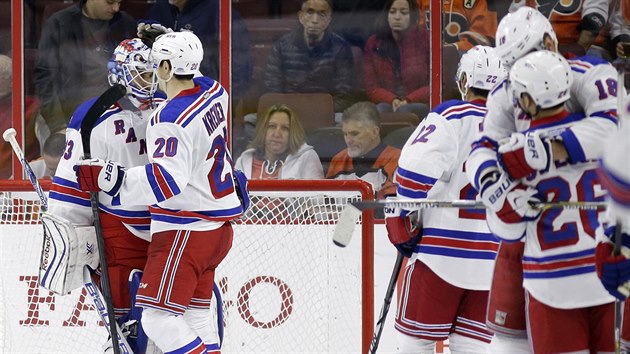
594 92
119 135
559 258
188 181
456 243
615 168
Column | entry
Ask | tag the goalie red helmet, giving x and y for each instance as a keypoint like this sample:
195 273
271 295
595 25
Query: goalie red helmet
129 66
482 68
521 32
182 49
543 75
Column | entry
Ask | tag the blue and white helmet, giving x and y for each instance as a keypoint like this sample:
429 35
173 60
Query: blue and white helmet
129 66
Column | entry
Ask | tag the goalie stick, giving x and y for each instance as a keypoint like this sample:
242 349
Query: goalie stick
351 213
102 103
9 136
97 298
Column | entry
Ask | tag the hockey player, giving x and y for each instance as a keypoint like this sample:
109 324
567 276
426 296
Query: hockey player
188 184
568 309
614 269
118 134
593 91
447 280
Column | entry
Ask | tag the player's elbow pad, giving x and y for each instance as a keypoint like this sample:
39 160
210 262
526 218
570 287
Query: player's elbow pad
505 231
480 163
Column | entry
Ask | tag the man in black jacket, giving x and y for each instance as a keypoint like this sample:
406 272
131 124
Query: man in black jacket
312 58
75 46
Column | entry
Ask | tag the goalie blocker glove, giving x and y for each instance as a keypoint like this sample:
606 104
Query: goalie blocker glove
403 229
95 175
525 154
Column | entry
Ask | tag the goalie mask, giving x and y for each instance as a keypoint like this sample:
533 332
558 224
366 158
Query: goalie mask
129 66
521 32
482 69
543 75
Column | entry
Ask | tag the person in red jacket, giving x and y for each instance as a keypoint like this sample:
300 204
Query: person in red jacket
396 61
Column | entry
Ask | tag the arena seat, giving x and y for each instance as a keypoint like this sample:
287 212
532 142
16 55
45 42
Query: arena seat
315 110
391 121
398 137
327 142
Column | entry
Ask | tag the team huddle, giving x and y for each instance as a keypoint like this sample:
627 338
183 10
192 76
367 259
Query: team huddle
522 276
518 277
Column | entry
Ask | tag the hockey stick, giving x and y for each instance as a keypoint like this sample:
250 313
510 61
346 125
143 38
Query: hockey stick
351 213
386 302
120 344
97 298
108 98
9 136
618 303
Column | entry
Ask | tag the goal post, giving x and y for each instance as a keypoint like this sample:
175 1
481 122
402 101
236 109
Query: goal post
285 286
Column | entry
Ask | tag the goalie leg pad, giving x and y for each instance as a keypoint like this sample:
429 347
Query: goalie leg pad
66 249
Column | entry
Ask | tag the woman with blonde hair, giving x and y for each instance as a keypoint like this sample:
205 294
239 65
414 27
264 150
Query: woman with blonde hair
279 150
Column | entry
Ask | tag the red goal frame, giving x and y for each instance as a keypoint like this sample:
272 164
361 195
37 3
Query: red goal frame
367 229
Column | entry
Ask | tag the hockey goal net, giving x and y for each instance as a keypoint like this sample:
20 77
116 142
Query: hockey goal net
285 286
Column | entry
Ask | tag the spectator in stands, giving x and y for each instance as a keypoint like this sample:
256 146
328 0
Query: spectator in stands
31 150
366 157
578 24
312 58
466 23
396 61
619 20
202 18
279 149
354 19
51 154
74 48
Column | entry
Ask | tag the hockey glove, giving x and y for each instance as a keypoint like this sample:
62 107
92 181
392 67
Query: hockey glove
95 175
525 154
493 188
149 30
519 205
613 270
240 181
403 229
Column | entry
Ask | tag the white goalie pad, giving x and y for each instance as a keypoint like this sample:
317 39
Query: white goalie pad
66 249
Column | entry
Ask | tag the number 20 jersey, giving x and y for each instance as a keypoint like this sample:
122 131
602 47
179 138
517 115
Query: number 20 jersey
456 243
188 182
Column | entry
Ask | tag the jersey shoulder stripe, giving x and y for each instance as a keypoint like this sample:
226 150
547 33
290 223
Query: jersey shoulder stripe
456 109
549 122
81 111
181 109
205 100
